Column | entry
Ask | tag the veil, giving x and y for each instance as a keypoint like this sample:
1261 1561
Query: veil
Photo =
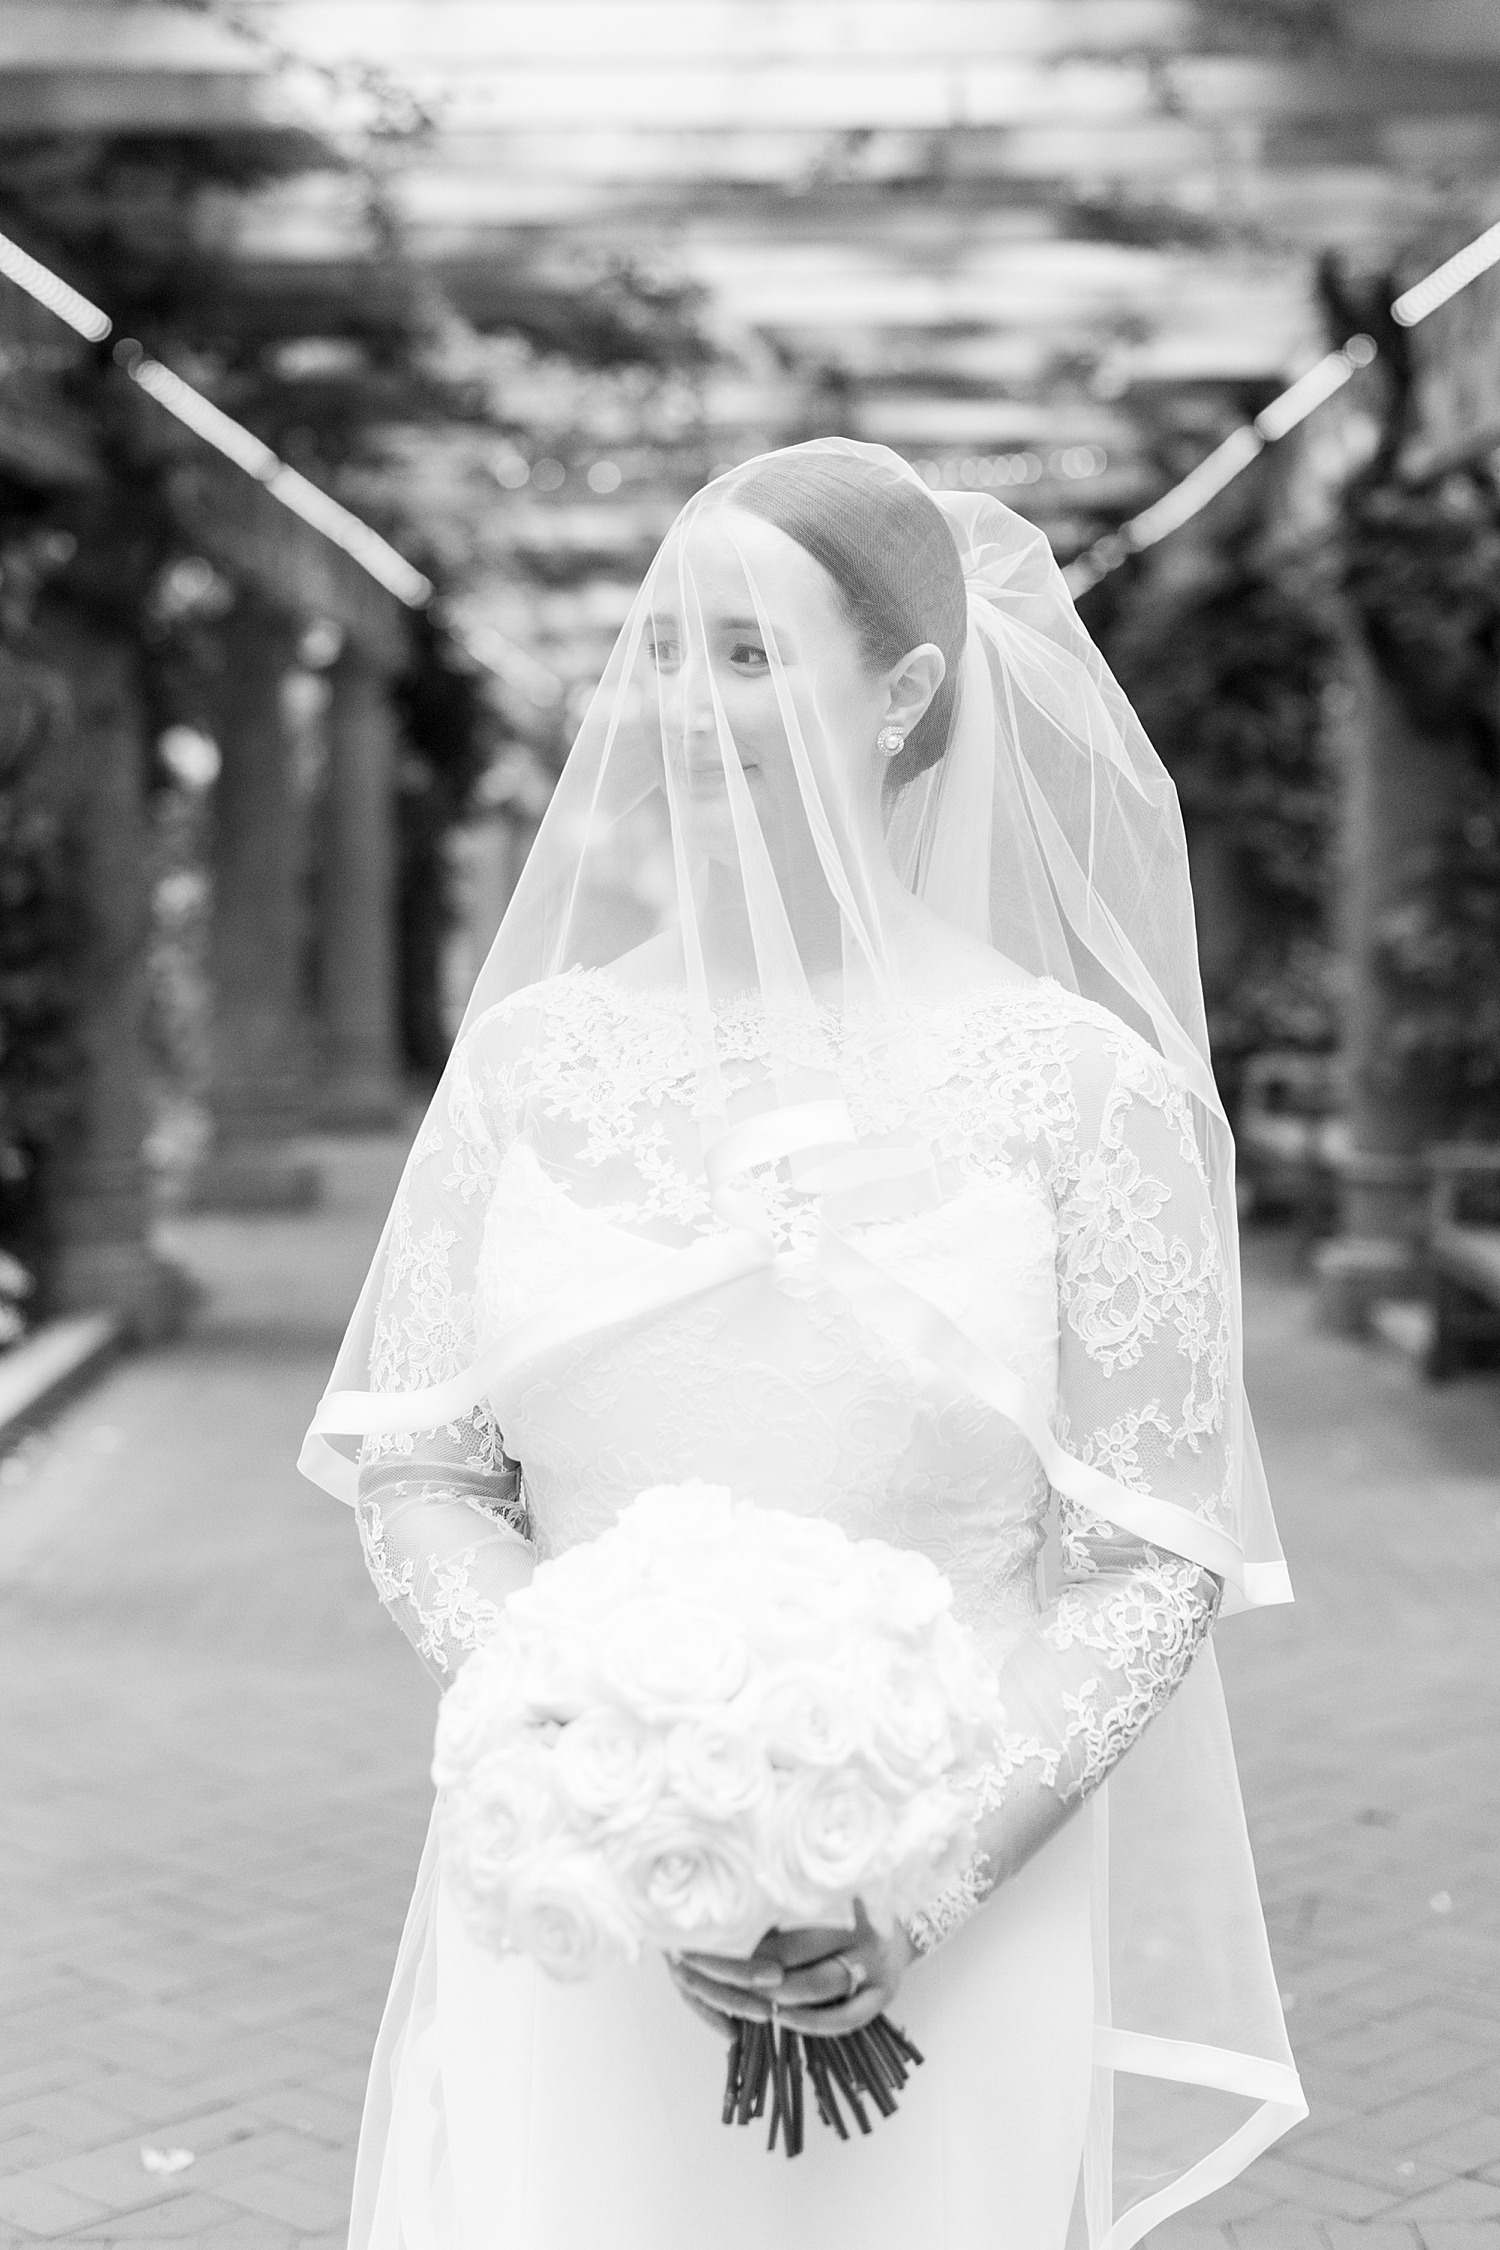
853 751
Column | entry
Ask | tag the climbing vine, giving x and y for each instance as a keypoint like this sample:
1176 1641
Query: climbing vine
39 1056
1230 683
1422 570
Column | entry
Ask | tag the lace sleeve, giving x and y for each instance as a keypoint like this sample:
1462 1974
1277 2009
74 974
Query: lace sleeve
446 1536
442 1513
1142 1297
1142 1371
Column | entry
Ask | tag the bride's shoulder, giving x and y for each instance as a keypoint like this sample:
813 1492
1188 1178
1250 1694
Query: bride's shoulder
1077 1038
581 1019
511 1027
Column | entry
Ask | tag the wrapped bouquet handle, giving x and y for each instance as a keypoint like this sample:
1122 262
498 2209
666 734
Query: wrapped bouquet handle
851 2067
711 1722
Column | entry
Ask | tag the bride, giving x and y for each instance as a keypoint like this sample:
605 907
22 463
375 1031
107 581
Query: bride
833 1121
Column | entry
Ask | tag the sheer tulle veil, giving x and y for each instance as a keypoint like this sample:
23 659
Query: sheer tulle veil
727 827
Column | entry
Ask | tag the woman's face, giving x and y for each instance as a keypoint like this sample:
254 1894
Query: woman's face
710 642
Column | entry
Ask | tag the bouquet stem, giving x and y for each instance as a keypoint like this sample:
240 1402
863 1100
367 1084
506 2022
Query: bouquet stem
875 2062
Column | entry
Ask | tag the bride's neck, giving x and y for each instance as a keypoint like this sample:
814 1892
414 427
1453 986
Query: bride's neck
825 945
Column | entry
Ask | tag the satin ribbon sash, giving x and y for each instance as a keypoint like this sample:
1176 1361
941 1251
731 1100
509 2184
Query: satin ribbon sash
860 1186
917 1325
672 1279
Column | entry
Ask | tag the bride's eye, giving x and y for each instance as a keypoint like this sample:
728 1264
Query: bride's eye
749 656
664 653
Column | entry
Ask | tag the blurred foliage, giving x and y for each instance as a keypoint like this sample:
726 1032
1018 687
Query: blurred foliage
393 110
1230 684
329 367
1422 566
449 735
1290 27
1422 569
39 1057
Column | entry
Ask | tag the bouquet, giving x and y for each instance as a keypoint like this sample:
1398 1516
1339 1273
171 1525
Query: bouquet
713 1721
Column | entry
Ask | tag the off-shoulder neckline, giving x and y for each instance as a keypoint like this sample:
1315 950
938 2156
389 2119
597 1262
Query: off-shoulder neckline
673 997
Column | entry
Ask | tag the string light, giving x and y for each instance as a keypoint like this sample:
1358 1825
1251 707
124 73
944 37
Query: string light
391 569
1446 280
51 290
1330 374
1196 489
359 540
376 556
489 647
988 469
1222 466
1286 410
218 429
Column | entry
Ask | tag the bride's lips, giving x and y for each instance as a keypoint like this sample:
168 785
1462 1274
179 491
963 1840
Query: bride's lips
712 774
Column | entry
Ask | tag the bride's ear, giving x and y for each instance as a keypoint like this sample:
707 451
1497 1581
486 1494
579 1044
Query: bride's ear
913 684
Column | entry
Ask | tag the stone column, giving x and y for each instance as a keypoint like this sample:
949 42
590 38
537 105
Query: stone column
96 1184
1396 799
357 903
257 1089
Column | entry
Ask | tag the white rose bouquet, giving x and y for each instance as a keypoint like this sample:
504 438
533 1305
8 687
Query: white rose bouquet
714 1721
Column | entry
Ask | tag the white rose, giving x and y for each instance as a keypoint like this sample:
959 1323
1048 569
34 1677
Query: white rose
672 1518
718 1768
609 1767
907 1713
555 1675
789 1615
827 1836
811 1547
482 1704
969 1679
570 1590
897 1589
503 1809
658 1655
692 1889
932 1841
804 1715
567 1913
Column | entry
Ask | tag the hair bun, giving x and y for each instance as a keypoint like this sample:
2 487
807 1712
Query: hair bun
890 551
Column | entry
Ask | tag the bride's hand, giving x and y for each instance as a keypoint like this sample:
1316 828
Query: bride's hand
818 1981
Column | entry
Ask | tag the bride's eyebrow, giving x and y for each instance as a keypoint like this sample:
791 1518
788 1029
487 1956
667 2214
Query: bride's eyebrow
777 635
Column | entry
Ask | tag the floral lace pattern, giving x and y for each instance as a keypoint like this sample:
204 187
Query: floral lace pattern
954 1905
1147 1619
392 1581
1148 1626
1074 1239
427 1561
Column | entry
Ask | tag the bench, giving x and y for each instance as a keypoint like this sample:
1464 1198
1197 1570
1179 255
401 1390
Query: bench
1463 1256
1290 1133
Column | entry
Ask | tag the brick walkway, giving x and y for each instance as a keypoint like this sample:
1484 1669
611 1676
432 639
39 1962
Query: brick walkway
212 1773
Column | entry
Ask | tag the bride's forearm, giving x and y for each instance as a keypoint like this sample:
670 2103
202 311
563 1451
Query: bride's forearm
445 1548
1007 1838
1080 1688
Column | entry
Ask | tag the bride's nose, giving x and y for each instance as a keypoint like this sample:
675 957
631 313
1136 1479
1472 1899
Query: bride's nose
688 701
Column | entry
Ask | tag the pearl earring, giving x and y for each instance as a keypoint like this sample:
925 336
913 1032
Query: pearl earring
890 742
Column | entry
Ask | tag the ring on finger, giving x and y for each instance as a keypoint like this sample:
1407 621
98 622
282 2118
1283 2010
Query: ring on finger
856 1974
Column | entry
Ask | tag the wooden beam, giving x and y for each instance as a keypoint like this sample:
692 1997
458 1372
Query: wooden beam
84 100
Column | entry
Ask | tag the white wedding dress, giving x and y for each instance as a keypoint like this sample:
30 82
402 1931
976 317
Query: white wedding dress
1074 1242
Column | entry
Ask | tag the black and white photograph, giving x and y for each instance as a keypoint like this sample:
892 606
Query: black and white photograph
750 1124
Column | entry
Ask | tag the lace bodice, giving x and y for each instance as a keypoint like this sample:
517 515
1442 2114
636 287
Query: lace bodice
776 1387
1073 1240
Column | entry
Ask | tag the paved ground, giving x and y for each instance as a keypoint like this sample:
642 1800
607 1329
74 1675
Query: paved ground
212 1757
